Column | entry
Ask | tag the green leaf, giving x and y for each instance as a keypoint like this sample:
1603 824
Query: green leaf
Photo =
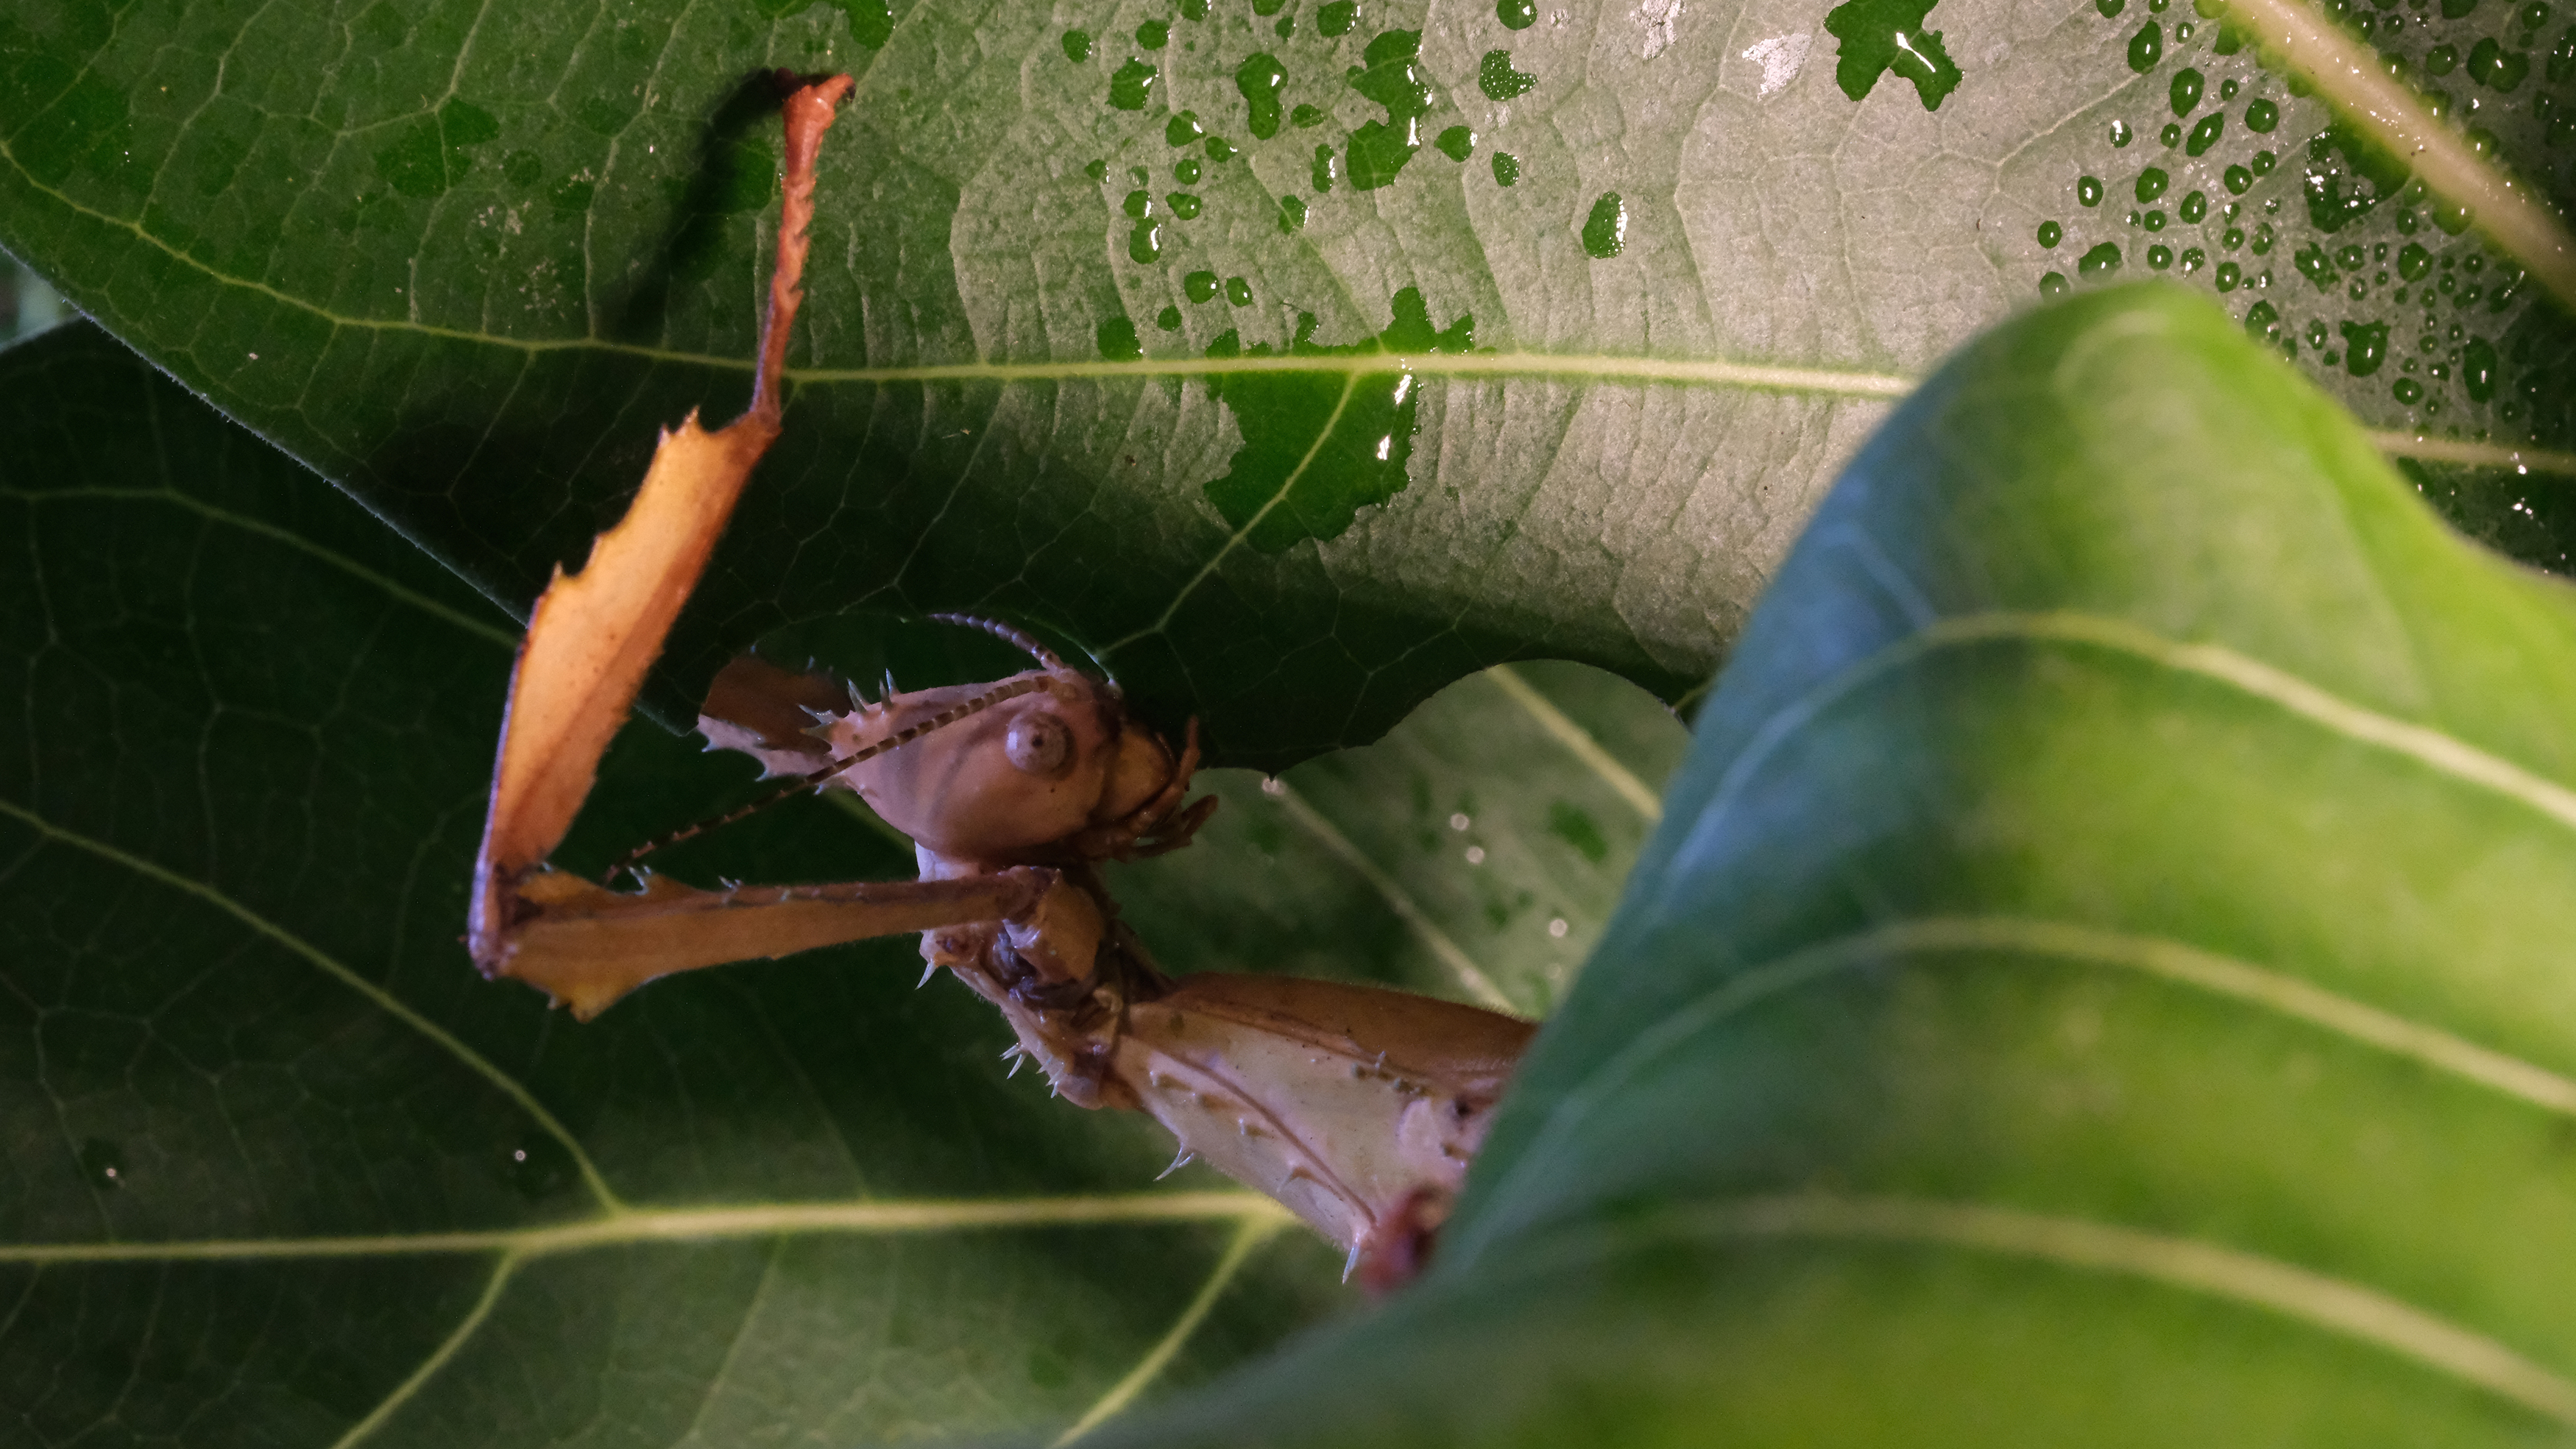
463 259
282 1170
2100 977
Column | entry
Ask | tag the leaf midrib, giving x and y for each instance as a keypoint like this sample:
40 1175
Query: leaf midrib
2193 1265
2356 81
2444 753
2287 995
634 1226
1594 367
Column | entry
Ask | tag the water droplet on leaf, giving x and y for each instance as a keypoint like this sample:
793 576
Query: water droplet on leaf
1605 231
2365 347
2478 369
1496 78
1878 36
1131 85
2147 47
1259 79
102 1164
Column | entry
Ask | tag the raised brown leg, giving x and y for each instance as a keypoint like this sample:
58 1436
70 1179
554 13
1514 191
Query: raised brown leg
589 642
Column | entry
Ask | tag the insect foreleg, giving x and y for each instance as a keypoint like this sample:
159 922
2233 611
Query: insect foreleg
585 945
594 634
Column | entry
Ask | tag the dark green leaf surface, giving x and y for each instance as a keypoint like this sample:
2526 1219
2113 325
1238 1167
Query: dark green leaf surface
280 1170
1476 852
465 258
2101 977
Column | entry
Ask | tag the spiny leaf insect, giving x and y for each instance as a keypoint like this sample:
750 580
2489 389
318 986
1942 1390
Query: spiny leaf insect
1357 1108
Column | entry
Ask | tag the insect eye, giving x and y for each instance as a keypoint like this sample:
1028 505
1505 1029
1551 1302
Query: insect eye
1039 744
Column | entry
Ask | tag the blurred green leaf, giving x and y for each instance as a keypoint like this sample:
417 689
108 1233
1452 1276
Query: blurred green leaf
463 259
2100 977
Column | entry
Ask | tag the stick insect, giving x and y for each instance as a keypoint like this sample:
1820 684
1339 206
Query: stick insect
1356 1107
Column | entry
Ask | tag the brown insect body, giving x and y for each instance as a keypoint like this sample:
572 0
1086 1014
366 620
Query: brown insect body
1356 1107
1359 1109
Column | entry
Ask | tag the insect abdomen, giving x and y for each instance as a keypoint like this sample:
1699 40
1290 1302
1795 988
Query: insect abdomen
1357 1108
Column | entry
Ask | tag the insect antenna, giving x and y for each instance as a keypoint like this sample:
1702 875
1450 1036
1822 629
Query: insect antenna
816 779
1025 643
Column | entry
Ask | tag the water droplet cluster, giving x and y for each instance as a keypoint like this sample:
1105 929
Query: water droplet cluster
1341 101
1350 97
2385 291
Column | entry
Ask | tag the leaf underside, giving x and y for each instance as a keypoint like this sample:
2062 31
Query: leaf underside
464 260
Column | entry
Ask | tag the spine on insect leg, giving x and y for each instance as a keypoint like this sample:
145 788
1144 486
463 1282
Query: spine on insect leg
1359 1109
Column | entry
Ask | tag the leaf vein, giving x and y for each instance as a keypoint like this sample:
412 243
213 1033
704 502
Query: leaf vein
2237 980
483 629
2443 753
1460 964
2303 1294
377 996
631 1226
1577 741
1249 1236
447 1349
2357 81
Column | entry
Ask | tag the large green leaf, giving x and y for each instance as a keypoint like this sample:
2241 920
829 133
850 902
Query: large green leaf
280 1170
463 258
2101 977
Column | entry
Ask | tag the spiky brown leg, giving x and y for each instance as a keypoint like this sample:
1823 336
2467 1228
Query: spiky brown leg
595 633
